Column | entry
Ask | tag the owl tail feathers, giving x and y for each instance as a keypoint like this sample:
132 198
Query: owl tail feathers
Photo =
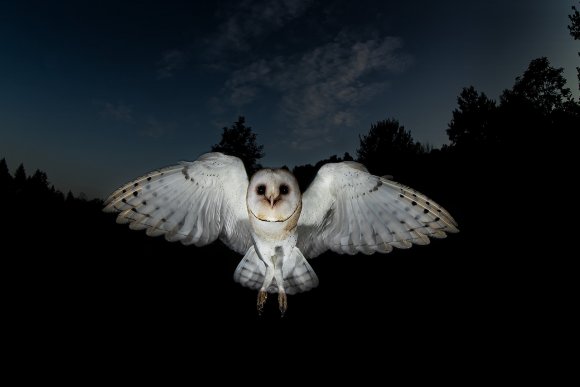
297 273
251 270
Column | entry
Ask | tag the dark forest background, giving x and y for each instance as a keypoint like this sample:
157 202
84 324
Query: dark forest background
72 271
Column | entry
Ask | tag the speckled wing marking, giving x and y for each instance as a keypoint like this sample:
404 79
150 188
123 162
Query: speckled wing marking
193 202
347 210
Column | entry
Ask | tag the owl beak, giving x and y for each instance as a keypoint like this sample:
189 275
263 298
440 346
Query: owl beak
272 200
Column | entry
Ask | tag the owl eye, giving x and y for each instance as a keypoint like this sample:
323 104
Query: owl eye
261 190
284 189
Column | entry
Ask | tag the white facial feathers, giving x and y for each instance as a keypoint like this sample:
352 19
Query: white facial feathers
273 195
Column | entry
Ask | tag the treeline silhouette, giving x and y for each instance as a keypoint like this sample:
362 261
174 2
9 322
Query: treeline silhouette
68 259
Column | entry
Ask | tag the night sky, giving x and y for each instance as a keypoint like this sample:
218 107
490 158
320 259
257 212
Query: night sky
97 93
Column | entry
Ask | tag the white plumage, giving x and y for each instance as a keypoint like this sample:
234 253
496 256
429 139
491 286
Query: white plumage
345 209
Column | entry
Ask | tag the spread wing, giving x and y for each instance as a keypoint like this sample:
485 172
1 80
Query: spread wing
192 202
347 210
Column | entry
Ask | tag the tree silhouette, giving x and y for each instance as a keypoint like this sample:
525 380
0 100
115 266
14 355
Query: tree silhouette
56 194
472 123
574 28
5 176
388 148
70 197
347 157
6 182
529 111
239 140
38 181
542 86
20 177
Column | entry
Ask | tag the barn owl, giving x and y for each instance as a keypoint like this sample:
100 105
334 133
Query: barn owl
276 227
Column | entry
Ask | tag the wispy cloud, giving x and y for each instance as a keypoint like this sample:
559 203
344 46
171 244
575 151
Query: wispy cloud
143 125
171 61
253 19
116 111
152 127
241 25
320 90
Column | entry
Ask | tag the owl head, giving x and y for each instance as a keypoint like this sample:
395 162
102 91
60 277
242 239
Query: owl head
273 195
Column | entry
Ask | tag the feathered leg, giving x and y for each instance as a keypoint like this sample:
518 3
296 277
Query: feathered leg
278 259
262 296
263 293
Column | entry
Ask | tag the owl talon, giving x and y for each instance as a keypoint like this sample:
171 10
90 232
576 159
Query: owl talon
262 296
282 303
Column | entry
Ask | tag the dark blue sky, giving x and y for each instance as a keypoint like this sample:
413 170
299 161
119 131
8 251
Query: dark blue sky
96 93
